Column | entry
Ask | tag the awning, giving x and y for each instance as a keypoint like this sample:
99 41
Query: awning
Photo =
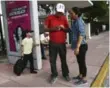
69 4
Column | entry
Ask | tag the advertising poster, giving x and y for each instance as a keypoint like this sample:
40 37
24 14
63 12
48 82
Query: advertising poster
18 21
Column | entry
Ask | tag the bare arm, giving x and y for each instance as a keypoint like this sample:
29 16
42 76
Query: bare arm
64 29
35 43
76 51
80 38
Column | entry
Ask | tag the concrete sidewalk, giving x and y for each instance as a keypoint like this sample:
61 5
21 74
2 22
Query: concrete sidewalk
97 52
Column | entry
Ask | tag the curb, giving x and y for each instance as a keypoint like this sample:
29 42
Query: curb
99 80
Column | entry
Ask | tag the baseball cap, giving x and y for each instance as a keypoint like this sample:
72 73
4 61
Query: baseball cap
29 31
60 7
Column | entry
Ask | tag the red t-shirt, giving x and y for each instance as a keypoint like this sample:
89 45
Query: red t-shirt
53 21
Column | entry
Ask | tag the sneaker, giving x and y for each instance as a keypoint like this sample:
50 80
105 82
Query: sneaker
67 78
81 81
53 80
76 78
33 72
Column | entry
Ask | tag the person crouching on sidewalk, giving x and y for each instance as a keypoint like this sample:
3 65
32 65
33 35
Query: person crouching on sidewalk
26 46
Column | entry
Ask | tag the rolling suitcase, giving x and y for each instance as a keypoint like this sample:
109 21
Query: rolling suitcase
18 67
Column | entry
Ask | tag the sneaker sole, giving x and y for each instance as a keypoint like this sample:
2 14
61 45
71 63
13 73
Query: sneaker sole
54 81
82 84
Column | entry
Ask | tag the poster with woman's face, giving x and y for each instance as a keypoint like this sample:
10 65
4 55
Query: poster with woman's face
18 20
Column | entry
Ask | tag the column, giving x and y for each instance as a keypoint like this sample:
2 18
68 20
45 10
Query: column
35 27
88 31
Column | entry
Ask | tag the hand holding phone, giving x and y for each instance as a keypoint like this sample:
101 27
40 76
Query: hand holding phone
62 27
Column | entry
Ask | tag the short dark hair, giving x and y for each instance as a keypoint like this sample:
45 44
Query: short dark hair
29 31
77 11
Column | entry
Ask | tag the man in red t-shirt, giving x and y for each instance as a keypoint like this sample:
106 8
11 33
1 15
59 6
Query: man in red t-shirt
57 26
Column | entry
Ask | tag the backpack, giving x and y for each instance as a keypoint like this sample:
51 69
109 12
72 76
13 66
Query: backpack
18 67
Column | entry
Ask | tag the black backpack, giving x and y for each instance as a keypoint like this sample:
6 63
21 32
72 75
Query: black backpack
18 67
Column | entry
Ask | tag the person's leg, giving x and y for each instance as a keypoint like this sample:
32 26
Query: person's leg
79 61
31 63
53 56
79 65
83 60
42 51
25 59
62 53
82 64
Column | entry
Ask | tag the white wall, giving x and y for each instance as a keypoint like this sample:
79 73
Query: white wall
2 20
